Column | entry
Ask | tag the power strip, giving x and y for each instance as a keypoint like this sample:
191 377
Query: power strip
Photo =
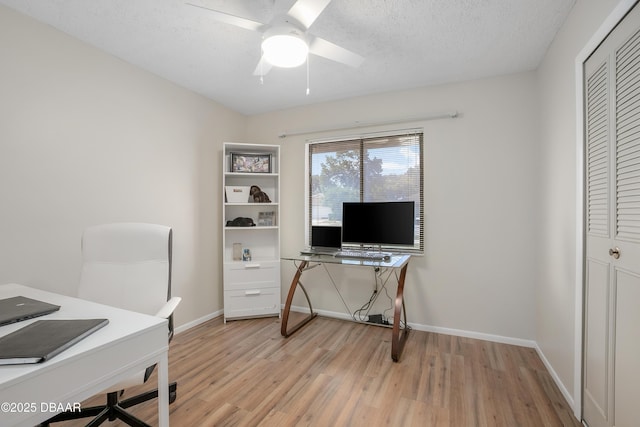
378 319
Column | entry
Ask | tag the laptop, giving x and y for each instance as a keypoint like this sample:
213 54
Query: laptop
20 308
44 339
325 240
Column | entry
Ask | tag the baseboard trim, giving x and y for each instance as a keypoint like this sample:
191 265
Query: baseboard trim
556 379
194 323
436 329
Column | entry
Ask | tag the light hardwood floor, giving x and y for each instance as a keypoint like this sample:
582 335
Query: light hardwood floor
338 373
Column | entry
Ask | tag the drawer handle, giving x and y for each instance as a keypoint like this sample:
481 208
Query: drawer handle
252 266
254 292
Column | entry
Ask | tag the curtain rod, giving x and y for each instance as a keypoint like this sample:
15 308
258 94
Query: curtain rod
357 124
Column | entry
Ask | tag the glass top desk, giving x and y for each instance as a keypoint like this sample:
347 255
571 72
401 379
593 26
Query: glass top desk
396 267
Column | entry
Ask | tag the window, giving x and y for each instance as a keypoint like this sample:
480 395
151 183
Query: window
377 169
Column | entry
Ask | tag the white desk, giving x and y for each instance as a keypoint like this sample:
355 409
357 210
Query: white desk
129 343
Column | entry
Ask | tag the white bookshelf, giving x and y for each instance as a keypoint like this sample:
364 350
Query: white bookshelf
251 286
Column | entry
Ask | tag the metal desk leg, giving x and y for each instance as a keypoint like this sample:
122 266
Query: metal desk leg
399 336
287 306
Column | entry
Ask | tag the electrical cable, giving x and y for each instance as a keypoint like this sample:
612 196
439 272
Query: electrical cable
365 307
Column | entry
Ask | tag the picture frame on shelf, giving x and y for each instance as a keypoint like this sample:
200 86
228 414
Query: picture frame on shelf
251 162
266 219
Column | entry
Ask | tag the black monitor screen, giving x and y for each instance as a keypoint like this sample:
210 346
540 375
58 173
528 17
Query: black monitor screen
324 236
378 223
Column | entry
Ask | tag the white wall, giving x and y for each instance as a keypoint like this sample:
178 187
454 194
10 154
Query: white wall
86 138
481 181
556 287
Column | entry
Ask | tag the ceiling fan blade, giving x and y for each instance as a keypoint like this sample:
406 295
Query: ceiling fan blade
262 68
232 19
307 11
328 50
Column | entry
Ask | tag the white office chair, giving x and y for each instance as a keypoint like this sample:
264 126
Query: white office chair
126 265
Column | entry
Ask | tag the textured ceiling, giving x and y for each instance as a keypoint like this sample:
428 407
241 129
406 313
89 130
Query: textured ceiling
405 43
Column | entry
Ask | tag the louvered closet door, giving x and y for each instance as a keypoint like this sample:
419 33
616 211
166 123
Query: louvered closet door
612 268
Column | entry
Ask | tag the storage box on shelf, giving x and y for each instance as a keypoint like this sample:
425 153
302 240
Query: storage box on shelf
236 193
251 273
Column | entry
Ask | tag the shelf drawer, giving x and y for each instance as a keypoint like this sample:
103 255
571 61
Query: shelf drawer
251 302
252 275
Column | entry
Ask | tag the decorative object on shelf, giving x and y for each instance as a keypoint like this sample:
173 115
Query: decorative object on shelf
241 222
258 196
246 254
251 163
266 219
237 251
237 193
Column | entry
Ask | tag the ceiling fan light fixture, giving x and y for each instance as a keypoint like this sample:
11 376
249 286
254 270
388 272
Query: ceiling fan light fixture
285 50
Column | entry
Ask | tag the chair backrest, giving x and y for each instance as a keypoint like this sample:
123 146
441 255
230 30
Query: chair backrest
127 265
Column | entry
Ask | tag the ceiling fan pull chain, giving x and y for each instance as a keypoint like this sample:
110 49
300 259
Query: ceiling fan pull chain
261 65
307 74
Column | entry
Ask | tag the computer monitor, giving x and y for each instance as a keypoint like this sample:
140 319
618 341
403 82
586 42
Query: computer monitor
378 223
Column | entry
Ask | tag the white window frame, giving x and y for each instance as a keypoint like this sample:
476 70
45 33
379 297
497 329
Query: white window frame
419 250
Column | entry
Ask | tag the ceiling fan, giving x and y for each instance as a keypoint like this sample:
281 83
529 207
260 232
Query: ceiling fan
286 40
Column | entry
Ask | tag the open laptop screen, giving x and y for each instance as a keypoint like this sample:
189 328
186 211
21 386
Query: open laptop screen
324 236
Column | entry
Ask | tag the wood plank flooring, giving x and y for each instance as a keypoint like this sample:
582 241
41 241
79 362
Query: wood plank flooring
339 373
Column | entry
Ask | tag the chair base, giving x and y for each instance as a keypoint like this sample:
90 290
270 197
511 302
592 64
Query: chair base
114 409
